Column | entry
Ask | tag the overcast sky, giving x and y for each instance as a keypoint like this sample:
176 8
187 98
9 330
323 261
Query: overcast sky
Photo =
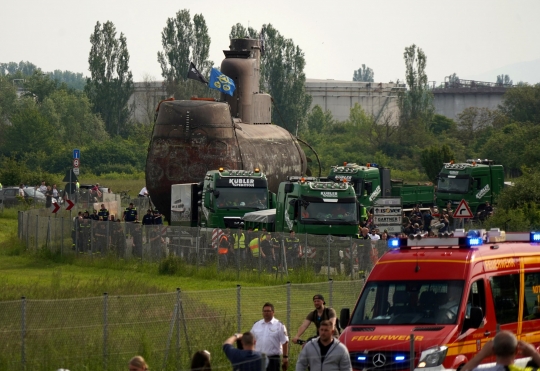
466 37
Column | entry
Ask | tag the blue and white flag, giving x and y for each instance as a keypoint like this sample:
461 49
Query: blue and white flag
221 82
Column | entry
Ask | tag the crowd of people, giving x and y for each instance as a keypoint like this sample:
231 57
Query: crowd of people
116 236
253 247
266 348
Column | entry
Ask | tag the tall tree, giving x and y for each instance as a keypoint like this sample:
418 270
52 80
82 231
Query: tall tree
522 103
416 104
111 82
504 80
238 31
21 69
433 158
364 73
184 41
72 80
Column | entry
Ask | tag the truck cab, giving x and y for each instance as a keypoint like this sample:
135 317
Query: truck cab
313 206
371 182
221 199
366 181
475 181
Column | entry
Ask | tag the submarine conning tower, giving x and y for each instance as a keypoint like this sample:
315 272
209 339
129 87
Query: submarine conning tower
242 63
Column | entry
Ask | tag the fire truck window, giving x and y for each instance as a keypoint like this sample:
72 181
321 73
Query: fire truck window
531 309
505 290
475 298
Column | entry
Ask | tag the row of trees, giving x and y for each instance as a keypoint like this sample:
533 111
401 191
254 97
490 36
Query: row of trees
43 116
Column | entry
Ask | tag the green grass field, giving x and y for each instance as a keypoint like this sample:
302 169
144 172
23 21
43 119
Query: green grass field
64 310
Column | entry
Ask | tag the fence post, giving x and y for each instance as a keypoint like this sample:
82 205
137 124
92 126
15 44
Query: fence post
238 309
105 329
27 230
289 305
62 236
263 361
305 251
351 257
331 290
178 329
411 353
37 231
48 238
23 331
328 264
20 224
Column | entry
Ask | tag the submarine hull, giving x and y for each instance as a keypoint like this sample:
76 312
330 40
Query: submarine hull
192 137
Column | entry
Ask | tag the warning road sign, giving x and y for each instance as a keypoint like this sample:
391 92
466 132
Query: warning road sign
463 210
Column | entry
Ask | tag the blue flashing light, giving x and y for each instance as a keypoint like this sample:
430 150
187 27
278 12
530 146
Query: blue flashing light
399 358
535 236
361 358
393 243
474 241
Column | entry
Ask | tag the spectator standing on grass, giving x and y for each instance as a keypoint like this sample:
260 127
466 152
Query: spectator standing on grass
21 190
272 339
137 363
201 361
246 359
324 352
317 316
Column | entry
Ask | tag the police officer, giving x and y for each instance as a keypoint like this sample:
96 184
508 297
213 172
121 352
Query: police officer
130 214
148 219
103 213
130 217
158 218
294 250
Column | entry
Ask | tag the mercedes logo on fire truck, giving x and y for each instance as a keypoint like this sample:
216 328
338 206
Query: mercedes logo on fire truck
379 360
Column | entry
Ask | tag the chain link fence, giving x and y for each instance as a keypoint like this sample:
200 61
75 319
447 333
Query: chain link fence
67 234
103 333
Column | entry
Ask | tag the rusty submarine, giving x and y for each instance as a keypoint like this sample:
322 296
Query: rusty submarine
191 137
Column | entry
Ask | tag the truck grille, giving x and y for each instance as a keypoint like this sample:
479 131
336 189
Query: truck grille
380 361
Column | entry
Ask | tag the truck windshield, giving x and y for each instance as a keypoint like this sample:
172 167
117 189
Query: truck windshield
408 302
453 185
242 198
323 212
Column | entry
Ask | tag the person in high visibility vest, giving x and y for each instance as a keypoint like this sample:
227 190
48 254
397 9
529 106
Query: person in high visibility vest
255 248
224 248
239 245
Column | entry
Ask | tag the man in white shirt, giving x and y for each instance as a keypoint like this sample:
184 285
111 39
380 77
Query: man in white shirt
43 187
143 192
272 339
374 236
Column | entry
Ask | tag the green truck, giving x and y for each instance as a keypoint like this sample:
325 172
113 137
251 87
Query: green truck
475 181
371 181
312 206
221 199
